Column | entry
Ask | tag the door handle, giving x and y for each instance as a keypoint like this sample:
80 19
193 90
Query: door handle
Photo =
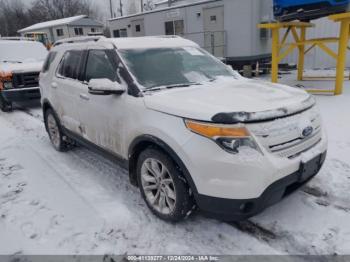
54 85
84 97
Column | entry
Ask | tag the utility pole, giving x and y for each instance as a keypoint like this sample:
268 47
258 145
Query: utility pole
111 8
141 6
121 7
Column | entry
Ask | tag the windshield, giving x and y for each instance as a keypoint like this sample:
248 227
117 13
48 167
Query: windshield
173 66
21 51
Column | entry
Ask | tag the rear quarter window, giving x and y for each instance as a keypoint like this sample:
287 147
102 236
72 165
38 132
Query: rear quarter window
49 59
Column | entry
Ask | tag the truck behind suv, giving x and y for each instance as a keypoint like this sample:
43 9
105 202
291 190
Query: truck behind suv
20 65
190 130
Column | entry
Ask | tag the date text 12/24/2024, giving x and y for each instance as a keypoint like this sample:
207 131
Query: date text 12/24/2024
173 258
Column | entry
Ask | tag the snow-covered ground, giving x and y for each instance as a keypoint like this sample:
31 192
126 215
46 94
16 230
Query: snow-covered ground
79 203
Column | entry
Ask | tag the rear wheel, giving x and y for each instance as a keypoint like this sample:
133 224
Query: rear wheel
162 186
54 131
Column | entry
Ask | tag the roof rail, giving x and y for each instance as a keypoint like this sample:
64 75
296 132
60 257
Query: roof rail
166 36
82 39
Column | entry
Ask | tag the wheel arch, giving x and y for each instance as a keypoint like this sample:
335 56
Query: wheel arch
47 105
141 143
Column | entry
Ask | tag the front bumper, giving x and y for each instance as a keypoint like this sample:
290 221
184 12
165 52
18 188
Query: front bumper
21 94
241 209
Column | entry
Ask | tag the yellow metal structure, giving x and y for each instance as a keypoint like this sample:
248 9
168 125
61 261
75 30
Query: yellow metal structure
298 30
40 37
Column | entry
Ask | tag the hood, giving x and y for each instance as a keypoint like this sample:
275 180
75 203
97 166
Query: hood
34 66
230 101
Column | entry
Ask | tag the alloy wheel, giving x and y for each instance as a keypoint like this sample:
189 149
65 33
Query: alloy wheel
53 130
158 186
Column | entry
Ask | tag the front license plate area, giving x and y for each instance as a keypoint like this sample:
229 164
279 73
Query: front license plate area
309 168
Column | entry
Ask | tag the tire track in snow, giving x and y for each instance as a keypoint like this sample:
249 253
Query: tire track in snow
280 240
31 113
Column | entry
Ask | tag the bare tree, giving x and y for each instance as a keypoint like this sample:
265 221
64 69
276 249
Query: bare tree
56 9
148 5
132 9
13 16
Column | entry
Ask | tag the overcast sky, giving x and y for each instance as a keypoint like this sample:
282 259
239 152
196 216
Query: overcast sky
102 5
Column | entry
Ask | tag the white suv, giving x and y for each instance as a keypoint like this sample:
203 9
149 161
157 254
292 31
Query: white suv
190 130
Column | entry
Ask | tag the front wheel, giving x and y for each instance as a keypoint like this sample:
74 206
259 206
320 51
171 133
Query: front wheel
54 131
4 105
162 186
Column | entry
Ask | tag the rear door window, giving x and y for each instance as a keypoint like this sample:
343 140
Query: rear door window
71 64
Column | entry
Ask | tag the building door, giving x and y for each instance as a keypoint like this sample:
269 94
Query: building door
214 34
138 27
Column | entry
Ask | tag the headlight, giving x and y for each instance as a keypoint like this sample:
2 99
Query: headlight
8 85
229 137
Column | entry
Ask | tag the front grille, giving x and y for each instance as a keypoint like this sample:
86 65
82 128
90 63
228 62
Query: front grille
294 149
283 138
26 80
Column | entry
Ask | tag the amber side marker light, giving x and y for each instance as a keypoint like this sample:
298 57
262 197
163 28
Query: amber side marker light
213 131
230 138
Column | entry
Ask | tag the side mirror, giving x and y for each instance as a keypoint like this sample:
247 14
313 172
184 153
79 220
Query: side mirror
105 86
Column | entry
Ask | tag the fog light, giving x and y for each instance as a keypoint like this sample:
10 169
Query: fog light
246 207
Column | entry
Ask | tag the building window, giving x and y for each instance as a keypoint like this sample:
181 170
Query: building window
174 27
78 31
59 32
138 28
93 30
264 33
116 33
123 33
120 33
213 18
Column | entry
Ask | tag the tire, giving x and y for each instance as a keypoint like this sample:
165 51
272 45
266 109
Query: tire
4 105
162 186
54 130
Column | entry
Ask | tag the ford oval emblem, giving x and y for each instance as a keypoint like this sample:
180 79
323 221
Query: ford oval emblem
307 131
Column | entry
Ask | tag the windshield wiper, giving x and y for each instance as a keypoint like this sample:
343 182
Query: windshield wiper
156 88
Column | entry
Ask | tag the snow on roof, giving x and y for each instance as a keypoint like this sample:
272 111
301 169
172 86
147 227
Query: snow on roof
21 51
52 23
150 42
